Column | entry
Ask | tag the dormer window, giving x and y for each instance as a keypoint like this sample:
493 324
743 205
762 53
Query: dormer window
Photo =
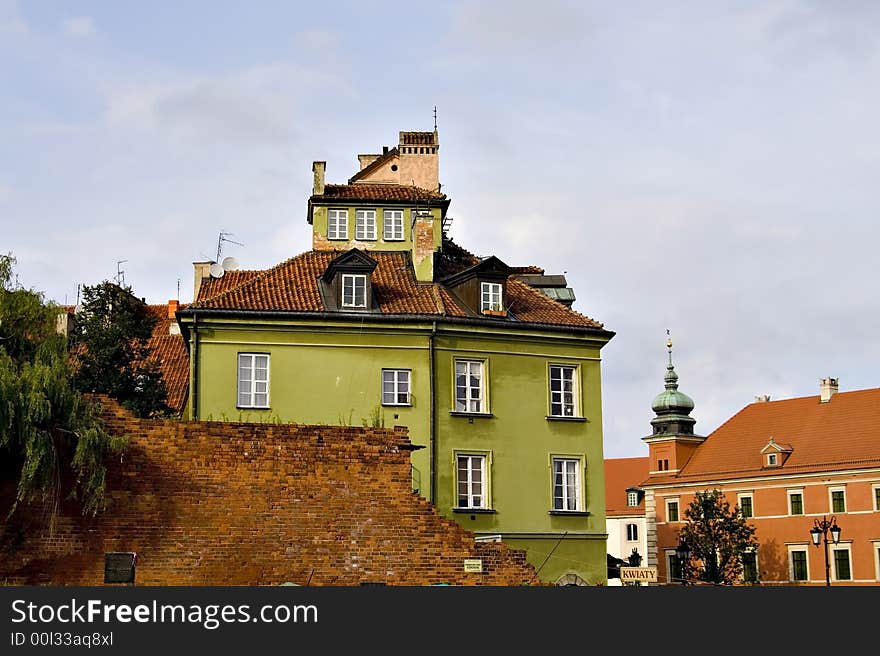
772 459
632 499
354 290
491 293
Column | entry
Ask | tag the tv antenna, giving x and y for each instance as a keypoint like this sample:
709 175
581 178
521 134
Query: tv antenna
224 239
120 273
435 118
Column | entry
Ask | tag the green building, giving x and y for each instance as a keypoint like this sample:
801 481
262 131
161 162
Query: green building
386 321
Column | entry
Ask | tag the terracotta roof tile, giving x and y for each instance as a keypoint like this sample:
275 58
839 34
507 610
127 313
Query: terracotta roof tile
173 358
529 304
367 191
843 433
212 287
620 474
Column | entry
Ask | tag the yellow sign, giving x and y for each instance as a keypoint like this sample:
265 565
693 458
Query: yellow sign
630 574
474 565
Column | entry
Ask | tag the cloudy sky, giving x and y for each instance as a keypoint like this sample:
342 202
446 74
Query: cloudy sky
711 168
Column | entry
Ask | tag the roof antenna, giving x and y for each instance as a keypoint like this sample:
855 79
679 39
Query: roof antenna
178 288
223 238
120 273
435 118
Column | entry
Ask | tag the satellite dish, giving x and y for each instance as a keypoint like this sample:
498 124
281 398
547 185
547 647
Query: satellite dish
229 263
216 270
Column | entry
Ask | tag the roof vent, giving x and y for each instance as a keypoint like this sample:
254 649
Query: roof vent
827 388
764 398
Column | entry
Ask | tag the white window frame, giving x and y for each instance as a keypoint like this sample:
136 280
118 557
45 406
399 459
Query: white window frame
832 561
772 459
574 392
354 278
567 497
751 497
632 499
831 491
491 296
742 575
251 359
392 219
337 224
632 532
798 547
803 509
365 225
397 378
671 557
484 481
678 511
472 404
875 545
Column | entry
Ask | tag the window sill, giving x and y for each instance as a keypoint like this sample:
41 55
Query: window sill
455 413
253 407
571 513
474 511
494 313
575 419
397 405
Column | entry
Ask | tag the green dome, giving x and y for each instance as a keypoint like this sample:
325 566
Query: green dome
670 401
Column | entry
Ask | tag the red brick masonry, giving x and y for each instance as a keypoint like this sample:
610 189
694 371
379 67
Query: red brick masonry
213 503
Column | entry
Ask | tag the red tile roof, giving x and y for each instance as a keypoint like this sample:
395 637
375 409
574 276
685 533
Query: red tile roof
843 433
173 358
212 287
367 191
620 474
292 286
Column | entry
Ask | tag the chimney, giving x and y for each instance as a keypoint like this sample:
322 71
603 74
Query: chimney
423 246
764 398
420 159
827 389
201 270
172 307
318 168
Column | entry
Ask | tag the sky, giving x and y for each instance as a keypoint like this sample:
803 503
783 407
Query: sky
708 168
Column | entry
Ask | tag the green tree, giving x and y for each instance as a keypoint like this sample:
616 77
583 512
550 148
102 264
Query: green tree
48 431
110 339
717 536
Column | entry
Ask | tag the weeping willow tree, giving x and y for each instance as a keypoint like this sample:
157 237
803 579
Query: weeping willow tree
49 432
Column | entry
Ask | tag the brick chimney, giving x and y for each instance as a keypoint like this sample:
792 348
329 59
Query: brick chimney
318 168
201 270
827 389
173 304
423 246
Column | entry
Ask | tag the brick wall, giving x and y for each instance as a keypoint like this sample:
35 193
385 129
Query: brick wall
213 503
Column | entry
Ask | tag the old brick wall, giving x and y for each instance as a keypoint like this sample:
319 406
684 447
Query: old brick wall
214 503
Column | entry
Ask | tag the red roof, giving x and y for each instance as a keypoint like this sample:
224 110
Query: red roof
377 191
212 287
173 358
620 474
292 286
843 433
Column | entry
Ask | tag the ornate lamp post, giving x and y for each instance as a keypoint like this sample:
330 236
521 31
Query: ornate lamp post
819 533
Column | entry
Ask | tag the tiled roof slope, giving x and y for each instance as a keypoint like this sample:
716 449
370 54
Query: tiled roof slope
292 286
173 358
367 191
842 433
621 473
375 164
212 287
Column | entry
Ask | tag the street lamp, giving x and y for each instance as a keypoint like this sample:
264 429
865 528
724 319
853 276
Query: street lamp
683 553
819 533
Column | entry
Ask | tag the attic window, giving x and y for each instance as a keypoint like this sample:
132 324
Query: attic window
491 297
772 460
632 499
394 167
354 291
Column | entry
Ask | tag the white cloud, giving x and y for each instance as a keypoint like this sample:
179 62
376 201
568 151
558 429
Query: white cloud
79 27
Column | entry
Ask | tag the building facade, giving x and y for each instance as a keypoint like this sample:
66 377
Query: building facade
625 509
387 321
786 465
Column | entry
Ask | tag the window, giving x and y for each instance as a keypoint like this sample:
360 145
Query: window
354 290
253 380
745 505
877 497
471 481
392 225
337 224
491 296
562 391
469 386
798 564
841 565
663 465
750 567
672 511
365 224
796 503
395 386
838 500
772 459
566 484
632 532
673 568
632 499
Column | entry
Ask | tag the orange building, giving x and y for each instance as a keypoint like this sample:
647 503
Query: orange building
786 464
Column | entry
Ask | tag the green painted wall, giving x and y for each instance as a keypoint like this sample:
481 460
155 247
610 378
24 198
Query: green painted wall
319 227
331 374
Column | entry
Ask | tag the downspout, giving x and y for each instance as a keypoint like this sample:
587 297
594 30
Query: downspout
432 454
194 410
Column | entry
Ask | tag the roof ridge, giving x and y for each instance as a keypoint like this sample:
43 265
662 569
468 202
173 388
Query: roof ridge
543 298
372 166
262 274
438 300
